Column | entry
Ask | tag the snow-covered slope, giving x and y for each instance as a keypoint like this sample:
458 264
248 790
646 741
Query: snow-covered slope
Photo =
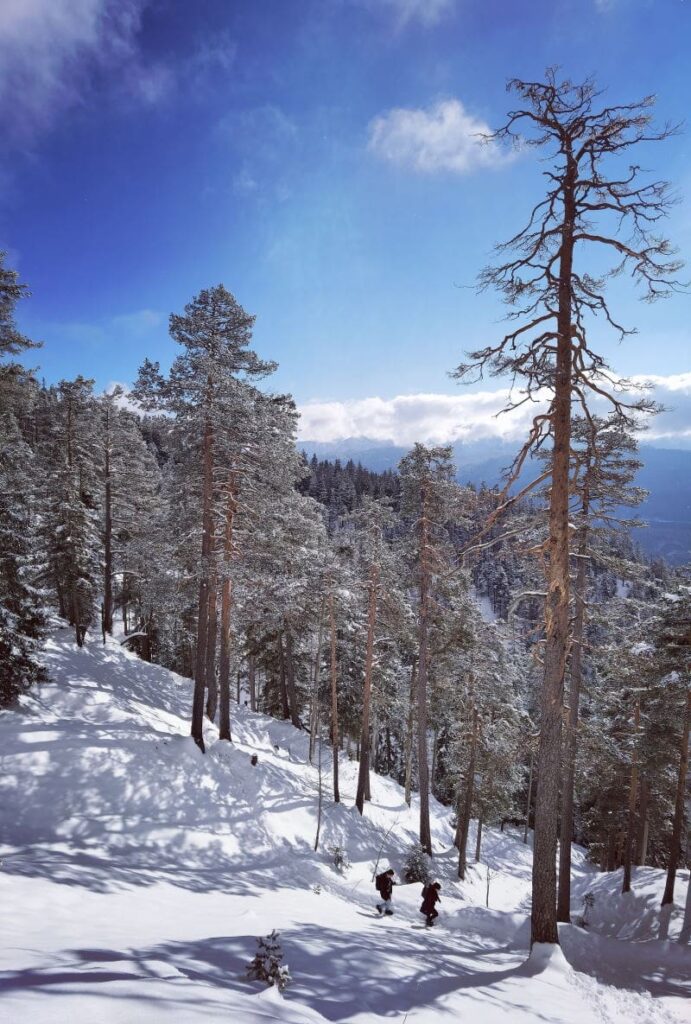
137 875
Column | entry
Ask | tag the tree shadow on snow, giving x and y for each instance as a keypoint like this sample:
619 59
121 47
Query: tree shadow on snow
331 975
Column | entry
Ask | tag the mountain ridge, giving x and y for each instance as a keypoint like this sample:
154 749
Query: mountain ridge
665 474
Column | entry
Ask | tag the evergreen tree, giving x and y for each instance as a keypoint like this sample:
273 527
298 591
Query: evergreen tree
21 617
429 503
215 333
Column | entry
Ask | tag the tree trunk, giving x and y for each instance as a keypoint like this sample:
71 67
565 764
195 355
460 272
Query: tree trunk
108 533
146 642
226 609
203 602
544 880
633 796
675 844
575 677
423 770
468 802
314 712
433 771
252 679
285 705
685 933
334 699
363 770
76 617
124 601
62 605
290 678
643 823
410 731
211 681
478 839
320 789
530 790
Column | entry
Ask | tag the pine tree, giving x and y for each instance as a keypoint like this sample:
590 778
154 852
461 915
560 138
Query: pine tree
21 617
71 521
215 333
267 963
429 499
604 465
21 614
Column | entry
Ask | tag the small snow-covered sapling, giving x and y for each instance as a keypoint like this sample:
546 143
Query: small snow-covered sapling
588 903
340 859
266 965
490 875
418 866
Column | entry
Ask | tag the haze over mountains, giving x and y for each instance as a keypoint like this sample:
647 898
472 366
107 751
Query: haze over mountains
666 475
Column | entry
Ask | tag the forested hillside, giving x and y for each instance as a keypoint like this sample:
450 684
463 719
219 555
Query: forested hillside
396 615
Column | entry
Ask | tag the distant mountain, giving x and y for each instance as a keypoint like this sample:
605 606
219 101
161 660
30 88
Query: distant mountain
666 474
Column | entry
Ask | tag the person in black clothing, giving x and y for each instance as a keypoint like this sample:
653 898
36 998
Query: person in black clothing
430 896
385 883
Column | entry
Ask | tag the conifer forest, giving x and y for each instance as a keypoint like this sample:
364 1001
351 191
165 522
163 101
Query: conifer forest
240 680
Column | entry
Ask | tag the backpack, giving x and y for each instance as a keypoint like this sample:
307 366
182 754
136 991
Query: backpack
379 881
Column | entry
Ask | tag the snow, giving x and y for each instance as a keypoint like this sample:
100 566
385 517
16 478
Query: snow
137 875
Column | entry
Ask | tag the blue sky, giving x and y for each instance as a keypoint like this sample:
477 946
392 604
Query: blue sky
316 156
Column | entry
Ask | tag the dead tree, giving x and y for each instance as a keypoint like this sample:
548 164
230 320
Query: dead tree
544 278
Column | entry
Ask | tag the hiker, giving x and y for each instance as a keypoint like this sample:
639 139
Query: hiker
385 883
430 896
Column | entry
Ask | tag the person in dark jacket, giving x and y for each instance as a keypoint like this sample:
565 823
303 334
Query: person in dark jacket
430 896
385 883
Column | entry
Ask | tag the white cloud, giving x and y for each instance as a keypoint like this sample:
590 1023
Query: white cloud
50 48
124 399
430 418
443 137
673 426
674 382
469 416
406 12
56 54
